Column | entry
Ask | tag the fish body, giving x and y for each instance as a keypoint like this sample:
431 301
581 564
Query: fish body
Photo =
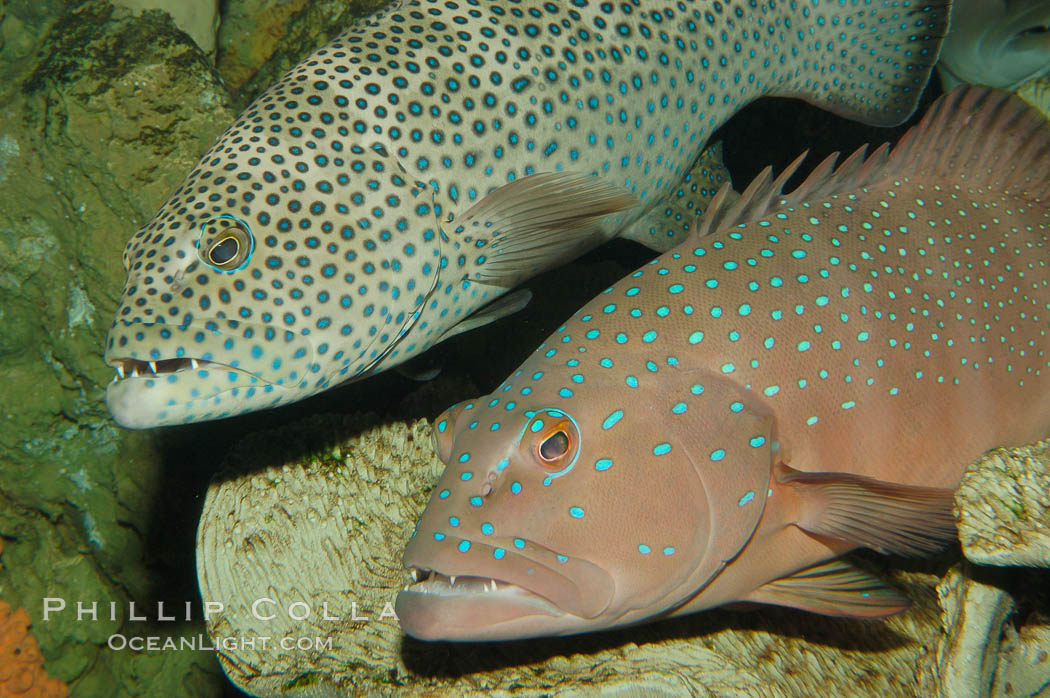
808 374
386 191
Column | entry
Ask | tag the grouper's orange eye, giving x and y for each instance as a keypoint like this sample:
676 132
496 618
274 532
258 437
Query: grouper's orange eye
554 447
551 439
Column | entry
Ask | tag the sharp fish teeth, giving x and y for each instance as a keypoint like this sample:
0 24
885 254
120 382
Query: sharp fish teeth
194 363
493 584
120 370
415 575
452 581
153 366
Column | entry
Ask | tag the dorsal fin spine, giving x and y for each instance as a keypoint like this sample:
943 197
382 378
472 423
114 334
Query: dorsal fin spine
978 135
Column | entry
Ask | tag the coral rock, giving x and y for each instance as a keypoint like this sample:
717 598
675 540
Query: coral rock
320 540
973 615
1003 507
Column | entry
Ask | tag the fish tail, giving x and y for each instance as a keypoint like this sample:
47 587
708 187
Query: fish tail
868 62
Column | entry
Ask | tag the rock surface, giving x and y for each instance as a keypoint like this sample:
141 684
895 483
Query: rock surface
198 18
22 673
259 40
101 114
1003 508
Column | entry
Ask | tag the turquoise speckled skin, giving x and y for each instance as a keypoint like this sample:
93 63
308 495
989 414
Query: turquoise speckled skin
430 158
806 375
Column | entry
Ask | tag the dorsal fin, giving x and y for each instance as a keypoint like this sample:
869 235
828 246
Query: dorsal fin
978 136
855 172
984 138
758 199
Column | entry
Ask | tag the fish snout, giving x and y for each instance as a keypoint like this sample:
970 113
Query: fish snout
482 590
170 374
444 431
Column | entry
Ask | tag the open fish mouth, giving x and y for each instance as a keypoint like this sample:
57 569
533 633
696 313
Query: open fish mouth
177 374
467 590
438 606
134 368
426 581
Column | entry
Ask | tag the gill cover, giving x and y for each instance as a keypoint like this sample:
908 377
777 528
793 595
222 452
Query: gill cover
728 437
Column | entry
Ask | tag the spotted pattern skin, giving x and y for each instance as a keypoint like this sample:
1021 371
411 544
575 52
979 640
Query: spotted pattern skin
347 176
894 330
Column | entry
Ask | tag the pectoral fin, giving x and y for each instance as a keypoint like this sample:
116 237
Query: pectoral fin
538 222
418 371
833 588
499 308
885 516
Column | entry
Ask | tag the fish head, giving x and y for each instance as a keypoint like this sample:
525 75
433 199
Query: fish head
290 259
559 516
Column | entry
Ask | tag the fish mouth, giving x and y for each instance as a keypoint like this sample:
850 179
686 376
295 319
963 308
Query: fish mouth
432 582
135 368
167 374
467 608
489 598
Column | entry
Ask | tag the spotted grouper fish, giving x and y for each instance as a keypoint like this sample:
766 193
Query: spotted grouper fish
388 191
807 374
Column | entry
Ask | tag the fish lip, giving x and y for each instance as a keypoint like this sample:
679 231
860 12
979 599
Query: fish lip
141 370
207 336
434 583
434 609
531 592
189 382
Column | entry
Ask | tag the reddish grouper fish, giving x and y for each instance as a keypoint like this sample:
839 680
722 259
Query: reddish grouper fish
806 374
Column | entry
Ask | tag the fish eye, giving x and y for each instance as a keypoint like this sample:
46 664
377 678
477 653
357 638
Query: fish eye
554 446
226 243
223 251
551 440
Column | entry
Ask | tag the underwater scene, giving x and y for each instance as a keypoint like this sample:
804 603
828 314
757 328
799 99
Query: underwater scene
495 347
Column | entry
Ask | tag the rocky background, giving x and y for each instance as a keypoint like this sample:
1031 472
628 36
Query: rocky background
103 110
